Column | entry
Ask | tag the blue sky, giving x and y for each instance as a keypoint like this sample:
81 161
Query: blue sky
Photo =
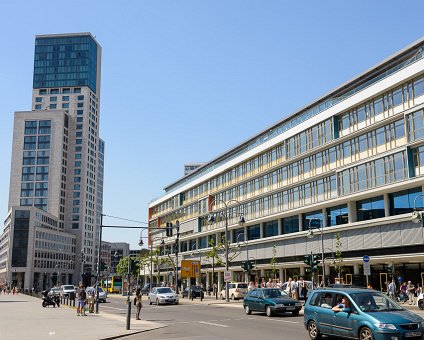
183 81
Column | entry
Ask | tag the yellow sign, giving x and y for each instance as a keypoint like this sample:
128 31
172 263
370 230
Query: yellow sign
190 268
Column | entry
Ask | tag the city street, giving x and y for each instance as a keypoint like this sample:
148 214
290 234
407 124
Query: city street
208 320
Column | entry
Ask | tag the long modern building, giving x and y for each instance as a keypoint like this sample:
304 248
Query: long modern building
349 165
57 166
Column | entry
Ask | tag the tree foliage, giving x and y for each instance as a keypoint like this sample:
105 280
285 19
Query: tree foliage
274 260
122 267
338 260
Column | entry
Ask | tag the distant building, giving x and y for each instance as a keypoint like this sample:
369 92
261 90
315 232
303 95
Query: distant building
57 161
190 167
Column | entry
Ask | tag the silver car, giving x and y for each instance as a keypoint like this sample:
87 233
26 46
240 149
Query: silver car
102 293
162 295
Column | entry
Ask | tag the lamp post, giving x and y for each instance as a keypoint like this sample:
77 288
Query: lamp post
247 254
311 235
418 215
211 220
82 265
128 294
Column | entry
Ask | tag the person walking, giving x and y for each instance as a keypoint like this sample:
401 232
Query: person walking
138 303
411 290
391 289
81 297
402 294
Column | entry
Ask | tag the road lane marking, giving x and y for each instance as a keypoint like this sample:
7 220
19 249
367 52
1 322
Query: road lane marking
284 321
213 324
114 308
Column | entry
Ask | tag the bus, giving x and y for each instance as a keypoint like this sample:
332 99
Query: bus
113 284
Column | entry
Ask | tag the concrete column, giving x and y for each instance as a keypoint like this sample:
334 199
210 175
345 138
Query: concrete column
207 280
302 271
324 218
386 205
355 269
301 226
261 226
280 227
281 272
245 233
219 282
351 207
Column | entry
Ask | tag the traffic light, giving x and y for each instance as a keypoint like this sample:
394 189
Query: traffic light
244 265
250 265
390 270
314 262
307 260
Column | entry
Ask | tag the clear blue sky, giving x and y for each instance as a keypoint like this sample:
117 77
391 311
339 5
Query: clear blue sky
183 81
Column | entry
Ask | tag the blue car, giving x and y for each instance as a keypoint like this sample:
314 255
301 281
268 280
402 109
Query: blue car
365 314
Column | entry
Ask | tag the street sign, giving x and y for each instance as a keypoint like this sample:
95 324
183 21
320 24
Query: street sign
367 268
227 276
366 258
190 269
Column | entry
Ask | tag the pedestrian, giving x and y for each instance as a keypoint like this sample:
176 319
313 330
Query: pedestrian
391 289
295 289
303 288
402 294
138 303
411 291
81 297
91 297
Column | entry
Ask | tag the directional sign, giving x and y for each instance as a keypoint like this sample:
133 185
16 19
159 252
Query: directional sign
366 258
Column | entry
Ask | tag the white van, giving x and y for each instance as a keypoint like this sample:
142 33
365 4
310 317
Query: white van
236 290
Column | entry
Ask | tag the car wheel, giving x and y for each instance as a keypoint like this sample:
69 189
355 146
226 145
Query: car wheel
247 310
421 304
149 301
313 331
268 311
365 334
295 313
233 297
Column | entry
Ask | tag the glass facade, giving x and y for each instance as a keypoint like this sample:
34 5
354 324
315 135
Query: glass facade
402 202
65 61
254 232
337 215
290 224
271 228
370 208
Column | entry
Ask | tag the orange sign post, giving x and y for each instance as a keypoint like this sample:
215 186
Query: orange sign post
190 268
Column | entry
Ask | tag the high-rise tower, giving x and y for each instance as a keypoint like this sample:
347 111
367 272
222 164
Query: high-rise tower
57 157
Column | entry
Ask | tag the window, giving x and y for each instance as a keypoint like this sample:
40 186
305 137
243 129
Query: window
312 220
30 127
54 91
370 208
38 99
53 99
337 215
30 143
42 91
80 97
66 91
290 224
80 104
254 232
65 105
77 90
44 127
65 98
44 142
238 235
53 106
402 202
38 106
80 112
271 228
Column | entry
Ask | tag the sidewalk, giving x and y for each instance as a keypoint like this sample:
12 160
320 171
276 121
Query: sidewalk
23 317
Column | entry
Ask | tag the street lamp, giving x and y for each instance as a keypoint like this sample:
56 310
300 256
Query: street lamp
418 215
247 253
311 235
211 220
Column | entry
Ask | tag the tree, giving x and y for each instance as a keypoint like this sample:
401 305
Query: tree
274 260
338 260
122 267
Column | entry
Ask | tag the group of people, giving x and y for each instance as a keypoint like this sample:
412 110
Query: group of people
407 291
5 290
294 288
85 297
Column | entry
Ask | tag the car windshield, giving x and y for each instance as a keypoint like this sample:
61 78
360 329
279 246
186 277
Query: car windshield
273 293
369 301
68 287
164 290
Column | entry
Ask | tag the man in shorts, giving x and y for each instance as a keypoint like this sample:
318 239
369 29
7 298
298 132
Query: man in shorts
81 296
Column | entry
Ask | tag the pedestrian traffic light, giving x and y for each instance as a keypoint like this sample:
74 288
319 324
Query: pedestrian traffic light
250 265
314 262
307 260
244 265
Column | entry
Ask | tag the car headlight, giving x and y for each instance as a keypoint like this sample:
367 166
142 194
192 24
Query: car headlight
385 325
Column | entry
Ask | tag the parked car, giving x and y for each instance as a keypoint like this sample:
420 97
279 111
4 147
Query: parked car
236 290
54 291
370 315
271 301
146 289
162 295
102 293
66 290
309 285
197 291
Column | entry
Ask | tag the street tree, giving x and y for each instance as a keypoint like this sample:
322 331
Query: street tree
274 260
338 260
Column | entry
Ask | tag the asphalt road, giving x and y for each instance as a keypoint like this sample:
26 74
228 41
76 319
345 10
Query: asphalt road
202 322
